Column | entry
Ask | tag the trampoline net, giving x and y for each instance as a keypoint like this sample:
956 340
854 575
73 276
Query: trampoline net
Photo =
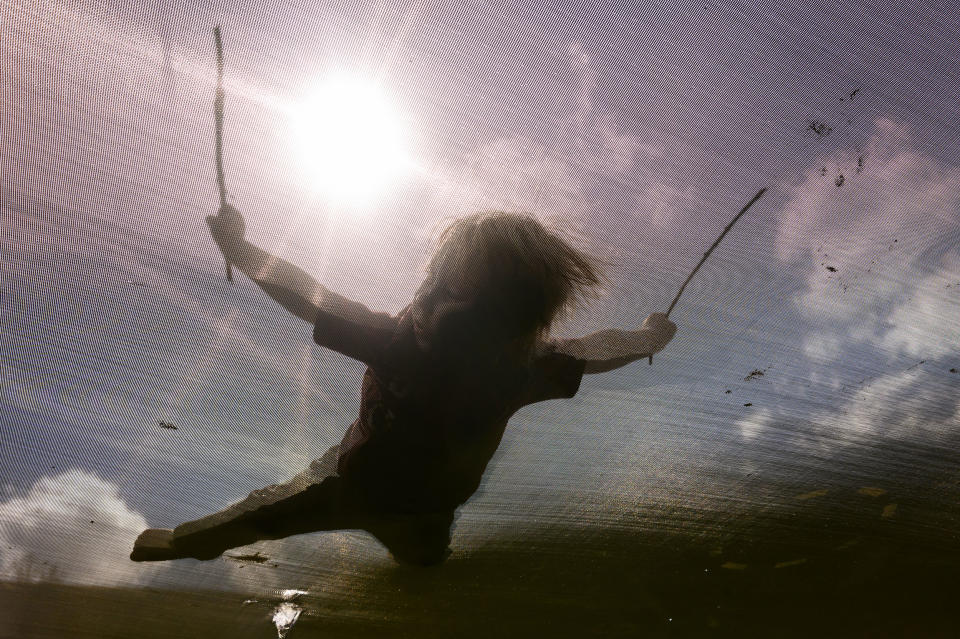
789 459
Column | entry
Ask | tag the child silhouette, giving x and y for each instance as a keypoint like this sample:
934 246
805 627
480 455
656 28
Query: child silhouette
443 377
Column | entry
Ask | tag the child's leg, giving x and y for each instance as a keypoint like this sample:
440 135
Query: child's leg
311 501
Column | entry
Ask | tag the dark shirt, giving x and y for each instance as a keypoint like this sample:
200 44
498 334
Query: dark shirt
429 423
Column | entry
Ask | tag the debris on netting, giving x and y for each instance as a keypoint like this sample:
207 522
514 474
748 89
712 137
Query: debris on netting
820 128
910 368
167 425
953 370
849 544
866 382
749 404
728 390
755 373
834 269
256 558
792 562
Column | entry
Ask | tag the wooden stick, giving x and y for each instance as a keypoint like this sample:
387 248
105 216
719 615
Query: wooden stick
710 250
218 118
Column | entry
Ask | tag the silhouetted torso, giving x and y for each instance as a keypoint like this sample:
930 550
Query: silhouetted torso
430 422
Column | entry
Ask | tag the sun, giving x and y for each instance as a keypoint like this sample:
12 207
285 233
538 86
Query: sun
351 140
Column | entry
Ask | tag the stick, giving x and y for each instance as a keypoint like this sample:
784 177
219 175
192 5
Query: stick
218 118
710 250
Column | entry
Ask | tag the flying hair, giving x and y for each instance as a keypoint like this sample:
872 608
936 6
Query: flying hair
529 274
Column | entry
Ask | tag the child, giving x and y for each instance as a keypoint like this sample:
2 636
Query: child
442 379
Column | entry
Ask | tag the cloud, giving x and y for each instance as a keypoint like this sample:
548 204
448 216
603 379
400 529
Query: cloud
919 404
72 527
926 325
822 346
754 423
555 174
876 249
914 403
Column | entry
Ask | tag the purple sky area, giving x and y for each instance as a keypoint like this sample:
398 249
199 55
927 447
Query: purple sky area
642 129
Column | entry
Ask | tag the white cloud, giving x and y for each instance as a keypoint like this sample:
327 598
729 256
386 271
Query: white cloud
552 176
911 404
916 404
46 535
927 324
72 527
877 233
754 423
821 346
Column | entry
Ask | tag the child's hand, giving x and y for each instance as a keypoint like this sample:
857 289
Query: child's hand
227 228
662 328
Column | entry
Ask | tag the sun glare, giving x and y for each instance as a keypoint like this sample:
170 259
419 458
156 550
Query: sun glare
351 140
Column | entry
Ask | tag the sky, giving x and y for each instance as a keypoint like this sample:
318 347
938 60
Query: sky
640 129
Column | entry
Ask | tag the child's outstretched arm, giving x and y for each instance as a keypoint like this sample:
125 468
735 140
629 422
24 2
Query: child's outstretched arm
612 348
288 284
